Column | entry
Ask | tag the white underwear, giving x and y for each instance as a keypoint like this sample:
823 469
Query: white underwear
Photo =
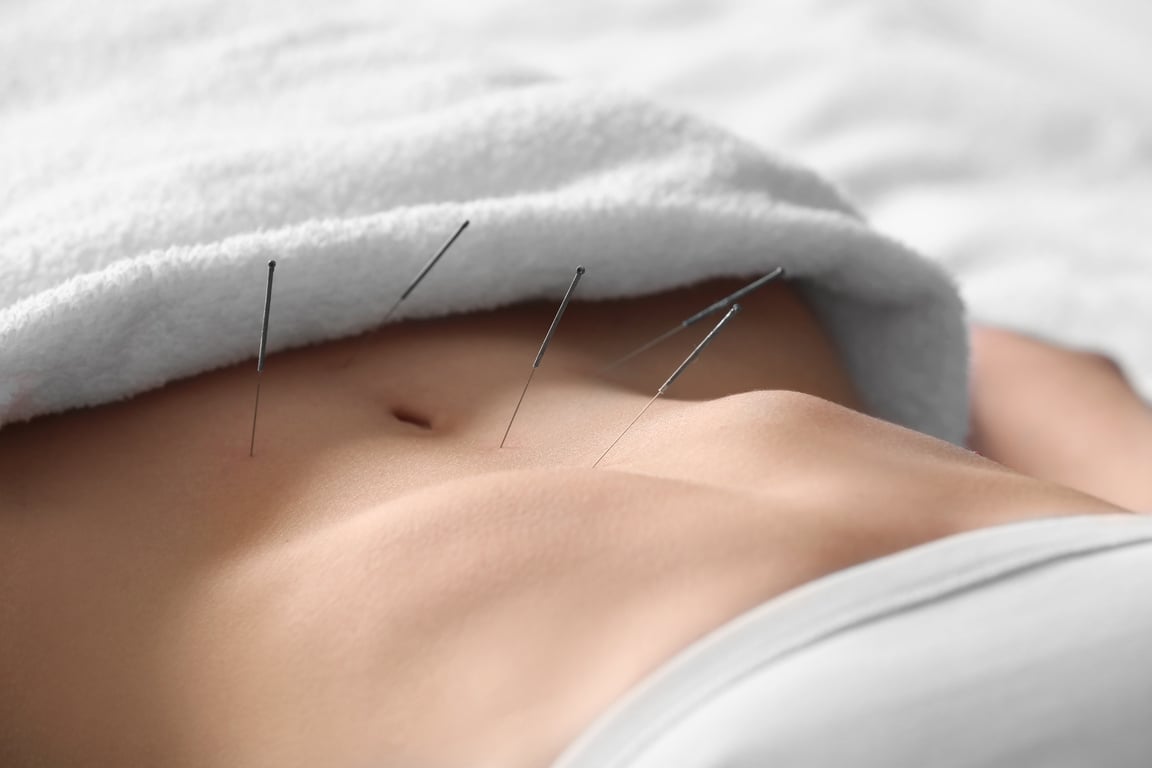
1028 644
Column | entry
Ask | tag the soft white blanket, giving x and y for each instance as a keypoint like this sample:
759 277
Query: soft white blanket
1010 141
156 157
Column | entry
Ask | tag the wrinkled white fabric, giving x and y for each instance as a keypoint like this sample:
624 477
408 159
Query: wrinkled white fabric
1011 142
1022 644
156 158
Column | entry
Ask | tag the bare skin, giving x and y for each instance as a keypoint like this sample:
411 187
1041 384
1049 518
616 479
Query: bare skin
1062 415
382 585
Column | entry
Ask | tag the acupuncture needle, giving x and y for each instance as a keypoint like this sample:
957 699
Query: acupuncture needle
675 375
263 351
425 270
728 300
543 347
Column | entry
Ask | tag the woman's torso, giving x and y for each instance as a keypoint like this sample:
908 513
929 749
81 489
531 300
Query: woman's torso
382 580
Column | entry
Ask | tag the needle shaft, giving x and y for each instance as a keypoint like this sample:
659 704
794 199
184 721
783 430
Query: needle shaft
711 309
425 270
517 409
675 375
625 430
262 354
544 347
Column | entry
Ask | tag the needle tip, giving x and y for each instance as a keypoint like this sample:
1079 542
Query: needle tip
580 270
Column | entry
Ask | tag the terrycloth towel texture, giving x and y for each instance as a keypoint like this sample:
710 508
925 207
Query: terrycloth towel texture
155 161
1011 142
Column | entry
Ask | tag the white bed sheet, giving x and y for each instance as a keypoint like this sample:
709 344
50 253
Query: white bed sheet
1010 141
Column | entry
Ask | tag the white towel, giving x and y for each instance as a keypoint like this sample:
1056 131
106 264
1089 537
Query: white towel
155 161
1008 141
